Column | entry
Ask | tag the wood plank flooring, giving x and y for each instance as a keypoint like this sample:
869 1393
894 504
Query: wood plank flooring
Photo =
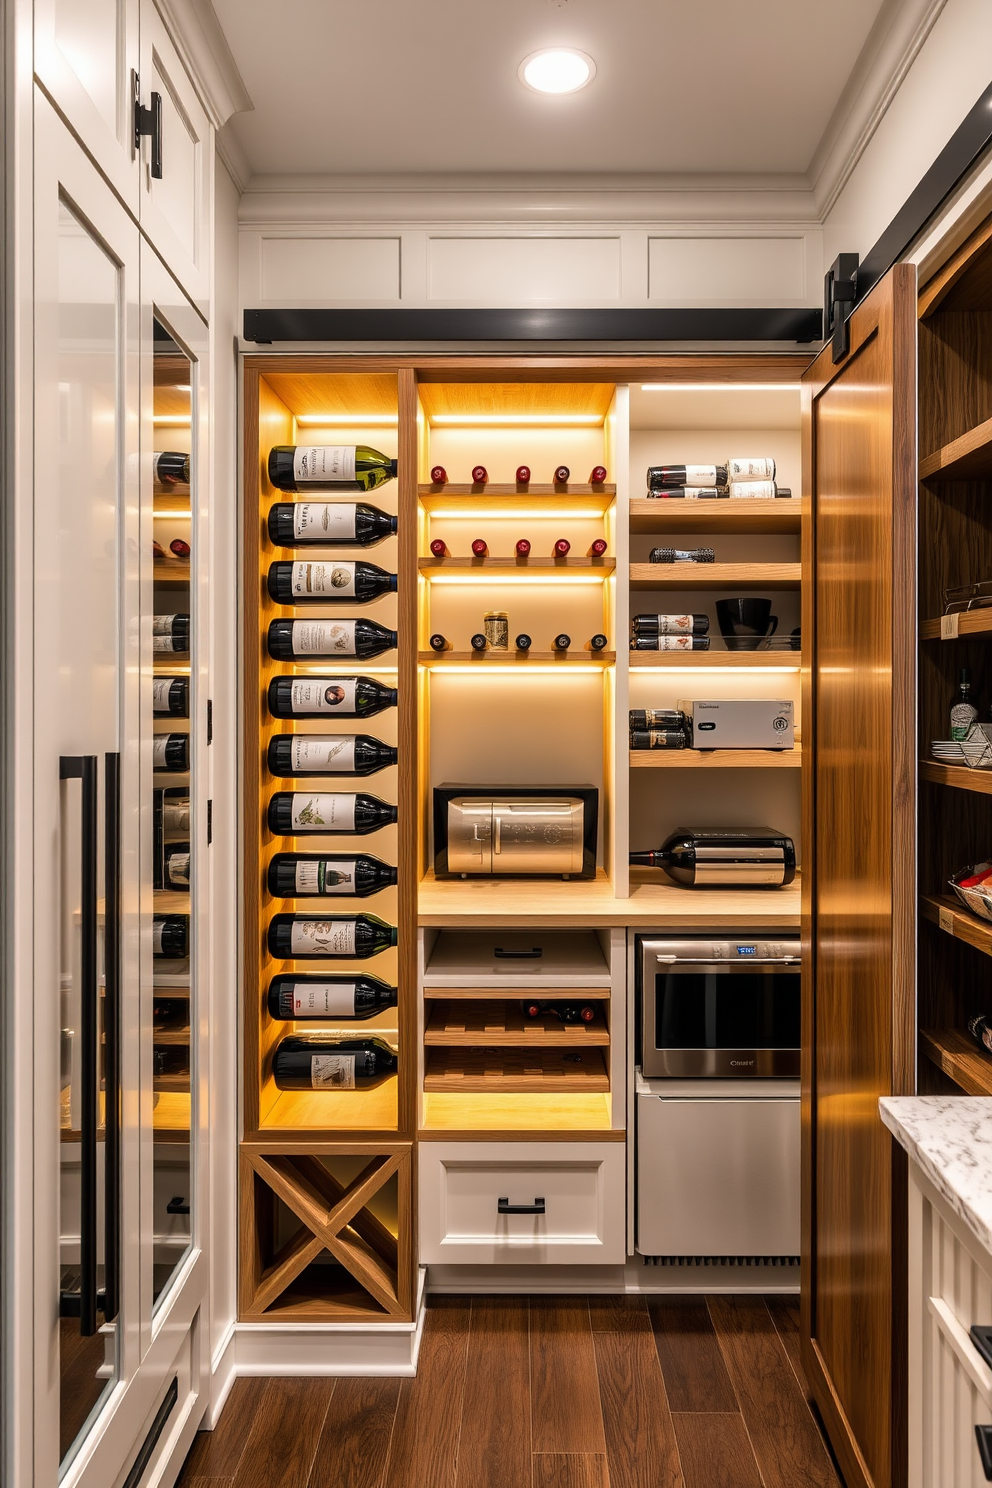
544 1392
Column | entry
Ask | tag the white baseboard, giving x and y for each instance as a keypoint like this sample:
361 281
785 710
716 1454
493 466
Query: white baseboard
223 1373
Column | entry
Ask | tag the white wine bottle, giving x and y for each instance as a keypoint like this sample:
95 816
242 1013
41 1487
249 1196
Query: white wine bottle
330 523
328 467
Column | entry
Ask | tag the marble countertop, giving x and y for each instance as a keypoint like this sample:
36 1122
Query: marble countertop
950 1137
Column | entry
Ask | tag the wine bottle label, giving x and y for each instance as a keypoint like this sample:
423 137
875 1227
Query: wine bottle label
662 642
166 643
331 752
324 637
963 716
324 521
157 933
322 938
760 489
324 696
325 878
335 579
334 463
332 1071
320 999
668 624
161 687
159 746
333 813
176 818
177 868
747 470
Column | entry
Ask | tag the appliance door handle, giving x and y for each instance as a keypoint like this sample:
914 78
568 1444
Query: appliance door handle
112 1012
503 1206
983 1435
511 955
82 767
497 832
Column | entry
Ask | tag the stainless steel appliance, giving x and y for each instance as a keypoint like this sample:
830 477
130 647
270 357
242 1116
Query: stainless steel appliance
740 723
515 830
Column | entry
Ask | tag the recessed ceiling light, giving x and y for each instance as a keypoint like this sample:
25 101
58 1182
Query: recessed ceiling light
557 70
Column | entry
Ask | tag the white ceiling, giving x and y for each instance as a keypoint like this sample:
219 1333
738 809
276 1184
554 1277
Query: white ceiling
429 86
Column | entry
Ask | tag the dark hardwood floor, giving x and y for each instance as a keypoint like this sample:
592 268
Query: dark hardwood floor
544 1392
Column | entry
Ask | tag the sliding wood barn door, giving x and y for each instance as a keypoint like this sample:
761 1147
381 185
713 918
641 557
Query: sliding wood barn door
859 621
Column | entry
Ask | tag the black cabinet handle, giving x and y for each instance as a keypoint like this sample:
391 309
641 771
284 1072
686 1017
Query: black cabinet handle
148 121
518 955
112 1035
983 1435
503 1206
178 1205
82 767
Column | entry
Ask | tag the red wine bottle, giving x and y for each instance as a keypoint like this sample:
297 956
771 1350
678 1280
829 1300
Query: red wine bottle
291 812
170 695
176 866
345 997
598 547
439 475
344 697
523 547
362 638
660 476
328 754
439 643
297 875
479 475
179 548
353 936
562 473
170 752
480 547
171 468
597 475
170 936
328 467
319 1063
438 547
294 524
158 552
170 633
523 475
333 582
561 548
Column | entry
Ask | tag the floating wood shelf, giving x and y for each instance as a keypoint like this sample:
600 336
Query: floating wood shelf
969 457
970 622
716 759
490 994
502 491
483 659
569 1116
705 659
166 1036
954 919
171 571
733 515
516 1071
958 776
736 576
307 1112
501 1024
503 568
960 1058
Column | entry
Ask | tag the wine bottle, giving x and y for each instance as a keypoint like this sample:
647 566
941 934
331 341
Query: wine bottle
695 624
170 695
179 548
158 552
758 490
479 475
480 547
175 867
565 1012
355 936
439 547
328 754
361 638
649 718
690 493
599 642
523 475
597 547
296 875
523 642
660 476
562 642
439 643
597 475
561 548
323 811
355 998
331 523
175 811
743 468
328 583
523 547
319 1063
681 555
478 642
439 475
669 643
658 738
561 475
170 632
170 936
328 467
171 468
963 710
170 752
345 697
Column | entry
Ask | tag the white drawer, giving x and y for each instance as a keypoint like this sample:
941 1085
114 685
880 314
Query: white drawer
582 1185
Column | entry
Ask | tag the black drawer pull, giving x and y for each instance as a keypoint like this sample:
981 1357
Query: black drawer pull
503 1206
518 955
983 1435
178 1205
981 1337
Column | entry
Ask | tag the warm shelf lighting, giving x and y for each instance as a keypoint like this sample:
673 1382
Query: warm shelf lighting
506 667
168 516
679 671
178 419
557 70
514 576
517 513
516 420
720 387
347 420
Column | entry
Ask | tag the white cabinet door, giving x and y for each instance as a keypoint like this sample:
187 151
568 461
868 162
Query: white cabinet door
175 207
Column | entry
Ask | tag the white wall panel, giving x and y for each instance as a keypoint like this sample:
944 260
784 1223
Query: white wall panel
523 270
304 271
726 270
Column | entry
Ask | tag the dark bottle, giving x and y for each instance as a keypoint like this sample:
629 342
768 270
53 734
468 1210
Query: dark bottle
170 695
354 936
170 752
711 857
562 642
158 552
657 718
169 1013
319 1063
439 475
660 476
597 547
523 547
523 642
980 1029
180 548
670 643
362 638
328 467
599 642
478 642
566 1012
673 624
480 547
170 936
323 811
479 475
328 754
523 475
562 473
963 711
170 633
344 697
597 475
658 738
357 997
690 493
561 548
439 547
439 643
171 468
297 875
328 583
681 555
331 523
175 868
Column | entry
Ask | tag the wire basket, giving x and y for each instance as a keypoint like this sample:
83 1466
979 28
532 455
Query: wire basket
975 751
978 900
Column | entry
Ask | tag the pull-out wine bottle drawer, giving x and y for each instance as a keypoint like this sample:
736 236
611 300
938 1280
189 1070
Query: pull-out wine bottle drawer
522 1203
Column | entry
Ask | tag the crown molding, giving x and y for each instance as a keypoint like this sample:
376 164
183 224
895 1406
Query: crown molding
233 158
200 41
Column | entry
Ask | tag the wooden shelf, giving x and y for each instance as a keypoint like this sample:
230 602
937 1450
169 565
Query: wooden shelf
960 1058
167 901
716 759
954 919
958 776
572 1116
490 994
504 568
738 576
516 1071
517 658
691 660
969 457
502 491
970 622
167 1036
172 1084
171 1115
338 1111
501 1024
734 515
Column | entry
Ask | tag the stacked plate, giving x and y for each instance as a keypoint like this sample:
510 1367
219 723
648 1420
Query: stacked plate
976 753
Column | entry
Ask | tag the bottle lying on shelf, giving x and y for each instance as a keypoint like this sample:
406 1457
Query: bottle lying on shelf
751 467
522 547
478 642
659 738
179 549
305 811
439 548
690 493
362 638
980 1029
175 810
328 754
562 641
567 1012
170 937
523 475
669 643
331 523
480 475
672 624
599 642
171 468
170 633
561 475
660 476
439 475
480 548
561 548
758 857
176 866
352 997
328 583
597 475
523 642
296 875
355 936
681 555
653 718
170 695
345 697
312 1062
597 547
170 752
761 490
329 467
439 642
